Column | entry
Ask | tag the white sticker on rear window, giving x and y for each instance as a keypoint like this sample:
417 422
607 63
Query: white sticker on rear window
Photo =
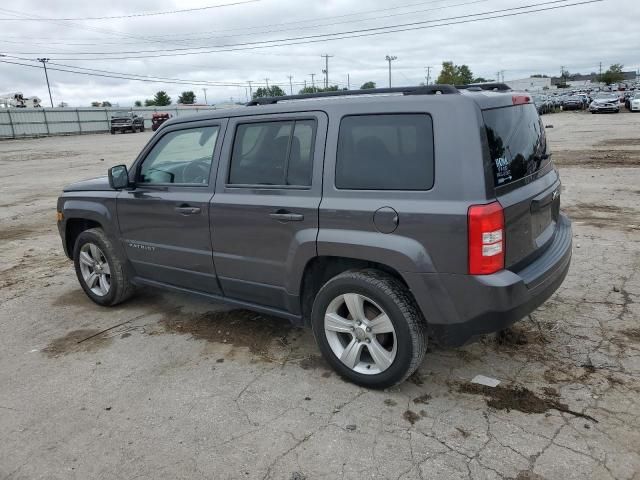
503 172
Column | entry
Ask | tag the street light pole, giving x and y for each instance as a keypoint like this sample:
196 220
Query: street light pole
46 75
390 59
205 95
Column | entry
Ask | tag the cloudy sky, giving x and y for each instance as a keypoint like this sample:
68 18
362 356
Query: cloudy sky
222 44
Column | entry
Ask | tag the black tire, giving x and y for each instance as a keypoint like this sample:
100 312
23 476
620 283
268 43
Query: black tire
396 301
133 129
113 131
142 128
121 287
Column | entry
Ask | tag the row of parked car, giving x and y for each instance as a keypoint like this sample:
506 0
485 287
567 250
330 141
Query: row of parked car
595 102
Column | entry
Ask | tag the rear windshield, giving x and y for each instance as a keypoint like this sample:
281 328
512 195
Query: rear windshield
517 142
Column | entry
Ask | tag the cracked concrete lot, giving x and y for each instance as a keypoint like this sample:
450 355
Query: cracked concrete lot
181 389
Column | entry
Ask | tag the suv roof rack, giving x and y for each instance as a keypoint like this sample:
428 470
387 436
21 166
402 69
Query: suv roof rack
421 90
476 87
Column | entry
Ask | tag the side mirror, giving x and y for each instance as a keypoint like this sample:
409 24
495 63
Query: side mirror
118 177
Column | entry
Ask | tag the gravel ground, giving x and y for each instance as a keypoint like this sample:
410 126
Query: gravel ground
185 389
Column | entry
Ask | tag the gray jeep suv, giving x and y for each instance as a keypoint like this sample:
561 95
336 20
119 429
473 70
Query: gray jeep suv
379 219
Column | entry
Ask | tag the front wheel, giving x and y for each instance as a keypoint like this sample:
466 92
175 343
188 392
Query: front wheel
369 328
102 274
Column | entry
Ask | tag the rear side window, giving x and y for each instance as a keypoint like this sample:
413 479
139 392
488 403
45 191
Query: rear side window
273 153
517 142
385 152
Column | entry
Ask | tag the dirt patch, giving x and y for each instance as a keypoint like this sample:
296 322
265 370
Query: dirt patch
22 156
517 336
515 397
314 362
422 399
390 402
526 475
416 379
598 158
15 233
411 416
240 328
632 334
617 142
85 340
604 216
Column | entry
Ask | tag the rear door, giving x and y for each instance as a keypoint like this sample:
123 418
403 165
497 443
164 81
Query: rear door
525 180
264 215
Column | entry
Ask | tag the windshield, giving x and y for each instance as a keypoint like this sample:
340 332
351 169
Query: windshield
517 142
607 95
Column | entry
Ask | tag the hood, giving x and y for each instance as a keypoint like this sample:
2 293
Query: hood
95 184
605 100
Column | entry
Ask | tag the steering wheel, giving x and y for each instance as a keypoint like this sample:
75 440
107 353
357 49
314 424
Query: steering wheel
196 172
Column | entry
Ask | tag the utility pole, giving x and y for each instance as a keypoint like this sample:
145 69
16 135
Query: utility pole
290 84
326 69
600 76
390 59
266 80
428 74
348 82
250 91
205 95
313 81
502 74
44 64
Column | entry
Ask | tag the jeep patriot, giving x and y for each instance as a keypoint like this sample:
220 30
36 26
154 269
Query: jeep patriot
379 219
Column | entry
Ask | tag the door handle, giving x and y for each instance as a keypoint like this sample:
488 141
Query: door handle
188 210
286 216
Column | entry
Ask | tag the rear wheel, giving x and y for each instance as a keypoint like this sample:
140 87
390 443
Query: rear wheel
102 274
369 328
113 131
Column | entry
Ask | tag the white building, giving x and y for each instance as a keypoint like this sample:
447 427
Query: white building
531 84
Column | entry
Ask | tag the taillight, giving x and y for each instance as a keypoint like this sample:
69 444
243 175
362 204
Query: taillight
486 238
520 99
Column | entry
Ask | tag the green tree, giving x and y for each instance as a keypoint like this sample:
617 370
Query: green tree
95 104
368 85
161 99
465 77
481 80
137 103
106 104
272 91
455 74
613 75
149 102
187 98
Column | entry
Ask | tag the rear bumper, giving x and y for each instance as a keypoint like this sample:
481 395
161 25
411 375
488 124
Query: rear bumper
460 307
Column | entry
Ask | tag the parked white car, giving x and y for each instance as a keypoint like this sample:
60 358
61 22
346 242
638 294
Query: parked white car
635 103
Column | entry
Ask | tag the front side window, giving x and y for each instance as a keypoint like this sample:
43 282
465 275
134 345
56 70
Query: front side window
273 153
181 157
385 152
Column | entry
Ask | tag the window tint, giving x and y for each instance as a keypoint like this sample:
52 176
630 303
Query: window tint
517 142
385 152
182 156
273 153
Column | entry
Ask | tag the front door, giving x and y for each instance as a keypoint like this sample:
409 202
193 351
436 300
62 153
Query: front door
264 215
164 220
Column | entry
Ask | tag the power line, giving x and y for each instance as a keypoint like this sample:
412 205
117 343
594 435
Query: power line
133 15
456 20
160 80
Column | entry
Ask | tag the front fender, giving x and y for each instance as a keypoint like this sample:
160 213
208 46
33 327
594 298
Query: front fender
100 208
